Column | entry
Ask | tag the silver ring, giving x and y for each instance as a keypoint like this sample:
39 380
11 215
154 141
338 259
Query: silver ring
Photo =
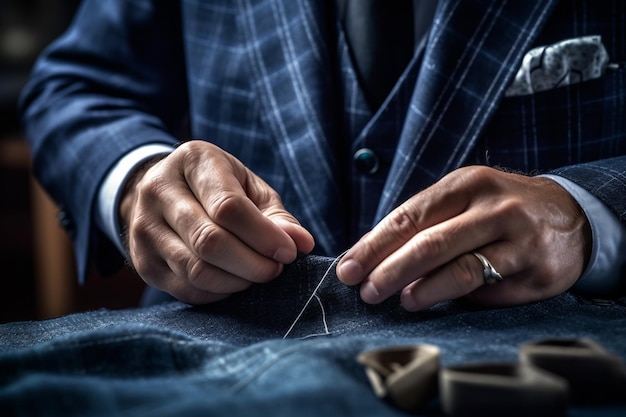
490 275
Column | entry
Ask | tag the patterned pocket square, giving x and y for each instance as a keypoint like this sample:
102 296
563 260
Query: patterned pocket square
567 62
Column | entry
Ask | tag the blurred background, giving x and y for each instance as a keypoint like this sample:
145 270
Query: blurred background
37 276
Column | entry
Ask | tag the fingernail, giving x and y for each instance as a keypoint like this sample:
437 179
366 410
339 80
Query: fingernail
408 302
369 293
283 255
350 272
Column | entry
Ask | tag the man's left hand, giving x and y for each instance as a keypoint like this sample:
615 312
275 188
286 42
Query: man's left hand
530 229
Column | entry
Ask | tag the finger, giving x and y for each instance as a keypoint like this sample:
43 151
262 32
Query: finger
206 239
518 288
465 276
199 274
302 238
237 214
271 206
171 267
155 272
232 197
456 279
195 297
214 245
434 205
428 251
179 289
168 281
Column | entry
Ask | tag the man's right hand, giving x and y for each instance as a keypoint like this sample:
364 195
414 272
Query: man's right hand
201 226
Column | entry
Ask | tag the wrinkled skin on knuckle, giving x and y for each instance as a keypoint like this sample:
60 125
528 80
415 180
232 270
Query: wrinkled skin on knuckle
142 215
152 188
224 207
142 241
205 239
429 245
200 158
401 223
179 258
269 202
253 183
191 153
141 231
197 272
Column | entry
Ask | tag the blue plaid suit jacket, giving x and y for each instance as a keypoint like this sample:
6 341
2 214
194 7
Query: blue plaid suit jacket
259 79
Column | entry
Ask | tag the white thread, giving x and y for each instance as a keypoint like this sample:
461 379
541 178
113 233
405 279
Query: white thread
319 300
334 262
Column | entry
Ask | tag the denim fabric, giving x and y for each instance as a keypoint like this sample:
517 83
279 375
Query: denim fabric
230 359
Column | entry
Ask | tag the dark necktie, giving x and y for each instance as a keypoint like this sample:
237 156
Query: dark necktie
381 39
382 36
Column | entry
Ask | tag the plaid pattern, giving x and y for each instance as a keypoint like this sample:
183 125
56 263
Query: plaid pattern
270 81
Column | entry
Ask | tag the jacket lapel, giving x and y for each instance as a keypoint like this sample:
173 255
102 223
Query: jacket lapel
472 54
287 45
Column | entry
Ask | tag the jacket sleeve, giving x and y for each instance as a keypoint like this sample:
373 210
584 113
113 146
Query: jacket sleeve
605 179
113 82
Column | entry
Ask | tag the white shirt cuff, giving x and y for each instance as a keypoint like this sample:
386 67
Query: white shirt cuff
107 216
604 271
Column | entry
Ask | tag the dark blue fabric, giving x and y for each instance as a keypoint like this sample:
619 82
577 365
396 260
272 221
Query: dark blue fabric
230 359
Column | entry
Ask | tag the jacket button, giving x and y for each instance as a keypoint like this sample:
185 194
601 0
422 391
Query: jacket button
366 161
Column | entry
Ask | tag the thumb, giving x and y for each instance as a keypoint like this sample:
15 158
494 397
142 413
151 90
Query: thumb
289 224
269 203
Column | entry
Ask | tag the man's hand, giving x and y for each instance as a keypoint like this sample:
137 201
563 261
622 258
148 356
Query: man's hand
201 225
530 229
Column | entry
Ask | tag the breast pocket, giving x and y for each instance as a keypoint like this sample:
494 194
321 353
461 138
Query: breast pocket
563 126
